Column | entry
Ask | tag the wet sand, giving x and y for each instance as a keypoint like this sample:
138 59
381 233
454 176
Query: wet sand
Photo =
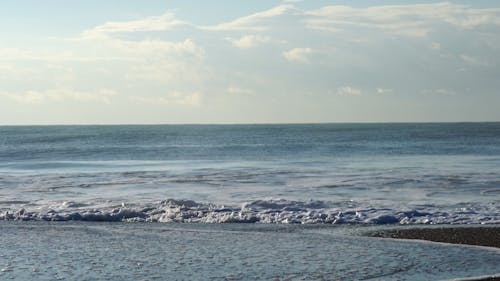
481 236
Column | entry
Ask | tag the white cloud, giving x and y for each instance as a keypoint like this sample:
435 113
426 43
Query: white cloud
12 54
238 90
255 22
153 59
159 60
347 90
178 64
340 18
156 47
473 60
441 91
298 55
170 71
404 20
249 41
9 71
166 21
173 98
384 91
150 58
60 95
435 46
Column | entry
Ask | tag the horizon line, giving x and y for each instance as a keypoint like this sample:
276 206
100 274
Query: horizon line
244 123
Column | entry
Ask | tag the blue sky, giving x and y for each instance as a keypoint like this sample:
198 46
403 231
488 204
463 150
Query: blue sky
108 62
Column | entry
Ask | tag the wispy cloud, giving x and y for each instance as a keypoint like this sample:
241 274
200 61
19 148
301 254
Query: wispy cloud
384 91
156 46
237 90
164 22
435 46
298 54
255 22
173 98
439 92
61 95
249 41
348 90
405 20
18 54
473 60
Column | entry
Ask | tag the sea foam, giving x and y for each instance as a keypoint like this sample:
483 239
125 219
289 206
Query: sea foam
274 211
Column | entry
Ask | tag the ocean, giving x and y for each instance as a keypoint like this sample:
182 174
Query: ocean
415 173
244 202
156 251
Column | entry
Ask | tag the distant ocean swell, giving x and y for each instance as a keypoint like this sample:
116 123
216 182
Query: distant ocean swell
260 211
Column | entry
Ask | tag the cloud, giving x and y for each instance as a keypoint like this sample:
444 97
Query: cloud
473 60
249 41
145 59
298 55
347 90
435 46
384 91
441 92
155 59
168 62
404 20
254 22
156 47
150 58
164 22
13 54
14 72
173 98
237 90
160 63
60 95
177 64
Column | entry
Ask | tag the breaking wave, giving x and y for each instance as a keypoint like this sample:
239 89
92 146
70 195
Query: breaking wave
277 211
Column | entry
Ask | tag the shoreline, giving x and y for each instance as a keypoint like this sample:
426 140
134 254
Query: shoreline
478 236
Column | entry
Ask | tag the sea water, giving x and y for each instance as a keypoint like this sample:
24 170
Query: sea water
309 173
305 194
142 251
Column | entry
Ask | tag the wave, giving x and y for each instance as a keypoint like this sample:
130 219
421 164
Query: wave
277 211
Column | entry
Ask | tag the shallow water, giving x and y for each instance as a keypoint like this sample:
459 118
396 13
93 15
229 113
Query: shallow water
316 173
121 251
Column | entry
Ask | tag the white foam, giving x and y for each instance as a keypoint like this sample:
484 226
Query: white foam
279 211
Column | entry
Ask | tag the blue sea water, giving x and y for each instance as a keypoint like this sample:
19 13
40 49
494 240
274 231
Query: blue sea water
146 251
411 173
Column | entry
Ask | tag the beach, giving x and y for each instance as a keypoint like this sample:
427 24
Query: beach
479 236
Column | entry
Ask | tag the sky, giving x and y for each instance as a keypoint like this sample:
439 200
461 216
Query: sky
259 61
